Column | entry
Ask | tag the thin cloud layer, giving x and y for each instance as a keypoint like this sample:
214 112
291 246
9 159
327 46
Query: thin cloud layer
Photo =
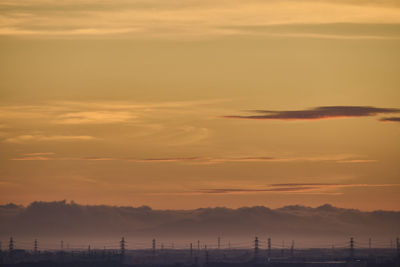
153 121
180 18
339 158
39 138
292 188
95 117
39 154
391 119
326 112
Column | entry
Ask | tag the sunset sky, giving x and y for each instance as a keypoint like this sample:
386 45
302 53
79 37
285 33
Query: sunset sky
181 104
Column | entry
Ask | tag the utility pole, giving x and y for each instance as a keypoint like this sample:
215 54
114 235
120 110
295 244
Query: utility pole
62 245
191 250
198 246
122 246
35 247
89 250
269 247
292 249
283 247
219 242
351 248
256 247
154 247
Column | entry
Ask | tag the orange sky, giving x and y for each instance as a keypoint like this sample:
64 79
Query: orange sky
181 104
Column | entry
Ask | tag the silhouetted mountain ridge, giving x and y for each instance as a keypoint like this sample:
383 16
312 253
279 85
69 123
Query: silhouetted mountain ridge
57 219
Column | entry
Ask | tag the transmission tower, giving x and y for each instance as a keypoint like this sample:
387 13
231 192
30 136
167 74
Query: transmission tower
351 248
207 259
398 251
11 245
35 247
122 246
370 246
269 247
292 249
256 246
154 246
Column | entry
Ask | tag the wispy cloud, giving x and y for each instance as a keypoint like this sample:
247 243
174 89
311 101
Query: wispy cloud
50 157
291 188
326 112
338 31
94 158
164 123
177 18
39 154
340 158
39 138
95 117
35 158
356 161
87 112
181 159
337 158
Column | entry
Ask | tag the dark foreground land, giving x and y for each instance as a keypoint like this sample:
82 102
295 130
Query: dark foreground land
204 258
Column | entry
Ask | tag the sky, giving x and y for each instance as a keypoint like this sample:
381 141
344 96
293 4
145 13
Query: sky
180 104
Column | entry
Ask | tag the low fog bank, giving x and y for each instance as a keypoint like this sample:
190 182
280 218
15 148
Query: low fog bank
310 227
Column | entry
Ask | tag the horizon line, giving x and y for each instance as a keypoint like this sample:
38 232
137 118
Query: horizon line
72 202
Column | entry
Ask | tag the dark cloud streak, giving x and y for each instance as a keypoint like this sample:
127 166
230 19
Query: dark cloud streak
391 119
325 112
